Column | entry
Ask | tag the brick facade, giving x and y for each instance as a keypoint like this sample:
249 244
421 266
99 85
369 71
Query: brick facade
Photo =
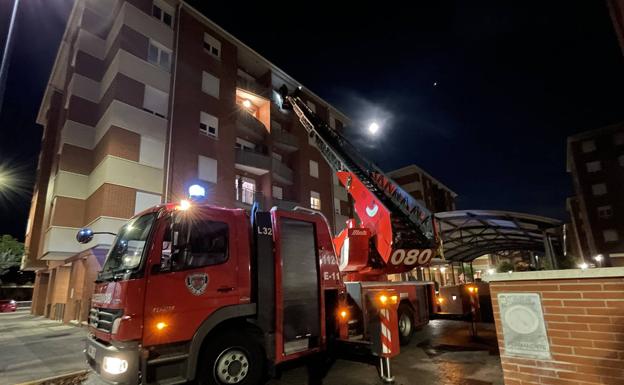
584 317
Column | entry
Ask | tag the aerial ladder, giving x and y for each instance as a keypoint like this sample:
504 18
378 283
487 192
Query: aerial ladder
399 231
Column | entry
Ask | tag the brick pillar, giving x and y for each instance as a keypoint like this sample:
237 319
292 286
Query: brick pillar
583 312
40 293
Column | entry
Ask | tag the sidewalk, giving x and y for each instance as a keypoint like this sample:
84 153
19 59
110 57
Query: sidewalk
35 347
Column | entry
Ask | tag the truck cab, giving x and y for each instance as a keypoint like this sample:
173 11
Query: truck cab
208 293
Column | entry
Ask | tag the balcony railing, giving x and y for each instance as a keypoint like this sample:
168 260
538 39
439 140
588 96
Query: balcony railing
247 124
281 172
284 140
253 86
254 162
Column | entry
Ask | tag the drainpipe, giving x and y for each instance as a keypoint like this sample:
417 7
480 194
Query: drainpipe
171 103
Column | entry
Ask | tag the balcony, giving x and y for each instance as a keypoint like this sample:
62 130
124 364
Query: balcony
248 126
253 162
253 87
281 172
284 140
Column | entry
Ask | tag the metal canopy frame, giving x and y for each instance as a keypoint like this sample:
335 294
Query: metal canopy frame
469 234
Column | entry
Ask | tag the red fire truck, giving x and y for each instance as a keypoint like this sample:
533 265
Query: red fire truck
190 291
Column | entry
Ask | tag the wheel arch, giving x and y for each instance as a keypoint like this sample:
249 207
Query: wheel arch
215 321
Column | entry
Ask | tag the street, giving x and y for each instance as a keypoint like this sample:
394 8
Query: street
441 354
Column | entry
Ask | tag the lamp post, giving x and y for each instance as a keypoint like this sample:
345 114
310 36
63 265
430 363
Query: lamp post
6 56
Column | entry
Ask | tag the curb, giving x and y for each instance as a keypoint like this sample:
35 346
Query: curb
58 379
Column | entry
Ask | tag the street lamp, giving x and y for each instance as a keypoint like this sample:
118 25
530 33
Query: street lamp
598 258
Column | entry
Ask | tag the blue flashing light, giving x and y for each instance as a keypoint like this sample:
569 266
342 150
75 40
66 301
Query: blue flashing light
197 191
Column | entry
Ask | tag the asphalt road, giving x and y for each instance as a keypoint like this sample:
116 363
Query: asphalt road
441 354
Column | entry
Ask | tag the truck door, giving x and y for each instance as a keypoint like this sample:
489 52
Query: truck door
298 284
197 275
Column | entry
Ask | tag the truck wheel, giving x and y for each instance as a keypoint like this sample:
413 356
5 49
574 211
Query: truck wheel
405 317
231 359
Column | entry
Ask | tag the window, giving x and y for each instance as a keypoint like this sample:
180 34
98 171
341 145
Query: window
159 55
276 156
155 101
200 242
207 169
332 122
605 212
337 206
208 124
278 192
311 105
144 201
588 146
599 189
593 166
159 12
314 169
315 200
244 145
610 235
618 138
245 189
210 84
212 46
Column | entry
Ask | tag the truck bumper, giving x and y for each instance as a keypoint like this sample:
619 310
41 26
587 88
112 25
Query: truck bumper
123 372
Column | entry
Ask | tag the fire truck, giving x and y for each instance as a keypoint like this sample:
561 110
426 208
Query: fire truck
190 291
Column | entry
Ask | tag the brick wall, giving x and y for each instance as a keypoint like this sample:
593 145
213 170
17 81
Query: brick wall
584 318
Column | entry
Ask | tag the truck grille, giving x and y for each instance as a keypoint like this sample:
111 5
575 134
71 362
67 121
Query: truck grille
103 319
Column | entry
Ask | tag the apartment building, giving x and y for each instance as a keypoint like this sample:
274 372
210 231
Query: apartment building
595 161
145 99
425 188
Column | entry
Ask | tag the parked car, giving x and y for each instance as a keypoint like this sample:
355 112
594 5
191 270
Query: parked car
7 305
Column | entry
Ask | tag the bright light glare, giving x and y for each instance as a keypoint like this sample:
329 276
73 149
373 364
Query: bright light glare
197 191
598 257
247 103
184 204
161 325
114 365
373 128
490 271
583 266
13 185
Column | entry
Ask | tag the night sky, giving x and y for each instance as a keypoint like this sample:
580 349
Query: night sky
482 96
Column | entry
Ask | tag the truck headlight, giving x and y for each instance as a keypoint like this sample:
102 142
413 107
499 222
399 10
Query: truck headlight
114 365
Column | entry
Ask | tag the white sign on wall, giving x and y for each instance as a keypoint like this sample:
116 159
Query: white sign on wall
524 331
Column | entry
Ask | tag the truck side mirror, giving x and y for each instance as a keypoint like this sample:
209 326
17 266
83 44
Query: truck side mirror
84 235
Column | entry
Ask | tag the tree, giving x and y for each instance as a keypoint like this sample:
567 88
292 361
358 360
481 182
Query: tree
11 252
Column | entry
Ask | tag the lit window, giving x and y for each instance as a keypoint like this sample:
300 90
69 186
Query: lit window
605 212
207 169
155 101
588 146
599 189
245 189
610 235
315 200
314 169
278 192
159 12
210 84
593 166
212 46
159 55
618 138
208 124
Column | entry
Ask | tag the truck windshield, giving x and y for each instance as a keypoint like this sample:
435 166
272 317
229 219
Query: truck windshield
127 251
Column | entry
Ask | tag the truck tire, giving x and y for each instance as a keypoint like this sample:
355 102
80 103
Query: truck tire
231 358
405 317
